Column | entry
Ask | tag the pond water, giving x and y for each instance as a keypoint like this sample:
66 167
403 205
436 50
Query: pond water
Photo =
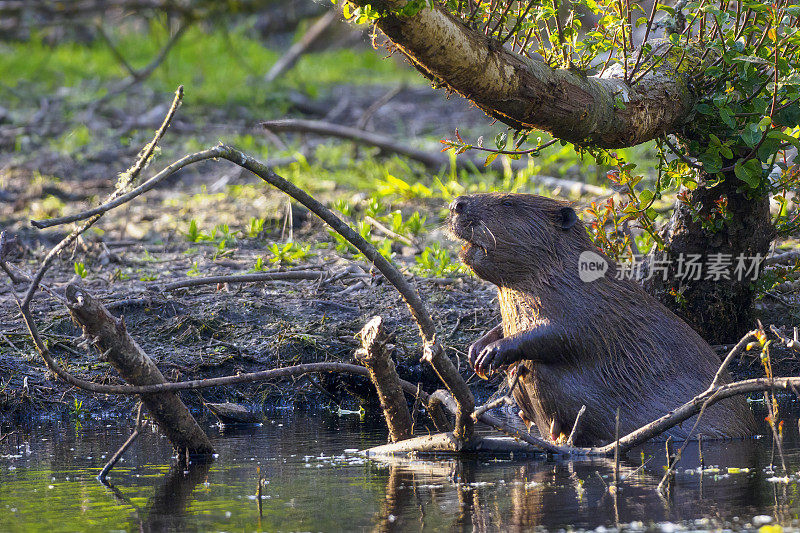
315 481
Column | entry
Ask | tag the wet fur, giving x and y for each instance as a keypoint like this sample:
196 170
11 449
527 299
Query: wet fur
626 349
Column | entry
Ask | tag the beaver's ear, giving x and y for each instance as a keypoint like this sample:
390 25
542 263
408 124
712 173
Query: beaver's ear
567 218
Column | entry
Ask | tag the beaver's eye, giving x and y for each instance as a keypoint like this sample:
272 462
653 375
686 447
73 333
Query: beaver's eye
508 203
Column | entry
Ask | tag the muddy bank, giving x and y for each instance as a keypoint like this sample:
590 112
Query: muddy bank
217 330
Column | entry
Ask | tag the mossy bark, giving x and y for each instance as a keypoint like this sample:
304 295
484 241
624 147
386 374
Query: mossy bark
719 310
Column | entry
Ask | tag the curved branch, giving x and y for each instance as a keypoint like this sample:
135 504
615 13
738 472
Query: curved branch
433 352
211 153
527 94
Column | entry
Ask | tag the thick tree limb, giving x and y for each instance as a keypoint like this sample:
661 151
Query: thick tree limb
528 94
112 338
375 356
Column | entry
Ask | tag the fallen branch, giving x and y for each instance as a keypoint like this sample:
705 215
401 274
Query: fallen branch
363 120
111 337
244 278
375 356
782 258
434 160
288 60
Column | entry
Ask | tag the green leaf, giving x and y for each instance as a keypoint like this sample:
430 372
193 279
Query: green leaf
500 141
645 196
704 109
751 135
725 115
489 158
788 117
749 172
712 162
785 137
767 149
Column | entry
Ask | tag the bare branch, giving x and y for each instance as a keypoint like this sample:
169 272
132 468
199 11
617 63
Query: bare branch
126 179
244 278
576 426
288 60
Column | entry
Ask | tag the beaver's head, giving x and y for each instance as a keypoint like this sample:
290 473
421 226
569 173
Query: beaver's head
514 237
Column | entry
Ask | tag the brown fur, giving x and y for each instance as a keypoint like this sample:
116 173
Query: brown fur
626 349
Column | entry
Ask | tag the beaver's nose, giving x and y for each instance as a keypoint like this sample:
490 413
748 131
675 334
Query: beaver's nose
458 205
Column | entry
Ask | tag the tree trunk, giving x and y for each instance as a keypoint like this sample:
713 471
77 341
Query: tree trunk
719 310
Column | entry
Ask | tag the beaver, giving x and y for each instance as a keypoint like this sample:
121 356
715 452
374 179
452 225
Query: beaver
603 343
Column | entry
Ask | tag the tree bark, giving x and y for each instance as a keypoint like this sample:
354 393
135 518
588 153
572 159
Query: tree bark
720 311
383 375
122 351
528 94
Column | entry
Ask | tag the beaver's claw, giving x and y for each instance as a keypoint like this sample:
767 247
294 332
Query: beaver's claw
475 350
496 356
479 345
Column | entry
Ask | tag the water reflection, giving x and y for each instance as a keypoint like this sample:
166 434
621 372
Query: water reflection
553 494
310 483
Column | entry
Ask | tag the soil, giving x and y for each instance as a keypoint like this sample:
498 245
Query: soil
210 330
214 330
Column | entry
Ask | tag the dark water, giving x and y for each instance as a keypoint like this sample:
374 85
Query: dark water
314 482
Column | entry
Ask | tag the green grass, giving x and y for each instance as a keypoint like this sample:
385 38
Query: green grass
217 68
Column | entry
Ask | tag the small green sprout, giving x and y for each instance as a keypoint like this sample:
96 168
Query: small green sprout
80 270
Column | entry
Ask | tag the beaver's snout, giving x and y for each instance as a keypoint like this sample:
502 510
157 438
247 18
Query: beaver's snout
461 222
458 205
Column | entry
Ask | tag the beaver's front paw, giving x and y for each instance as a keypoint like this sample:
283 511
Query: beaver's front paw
479 345
496 356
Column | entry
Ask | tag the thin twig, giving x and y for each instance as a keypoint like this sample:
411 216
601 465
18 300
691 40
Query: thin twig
682 157
363 120
211 153
143 74
644 40
126 179
118 454
576 426
506 398
389 233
